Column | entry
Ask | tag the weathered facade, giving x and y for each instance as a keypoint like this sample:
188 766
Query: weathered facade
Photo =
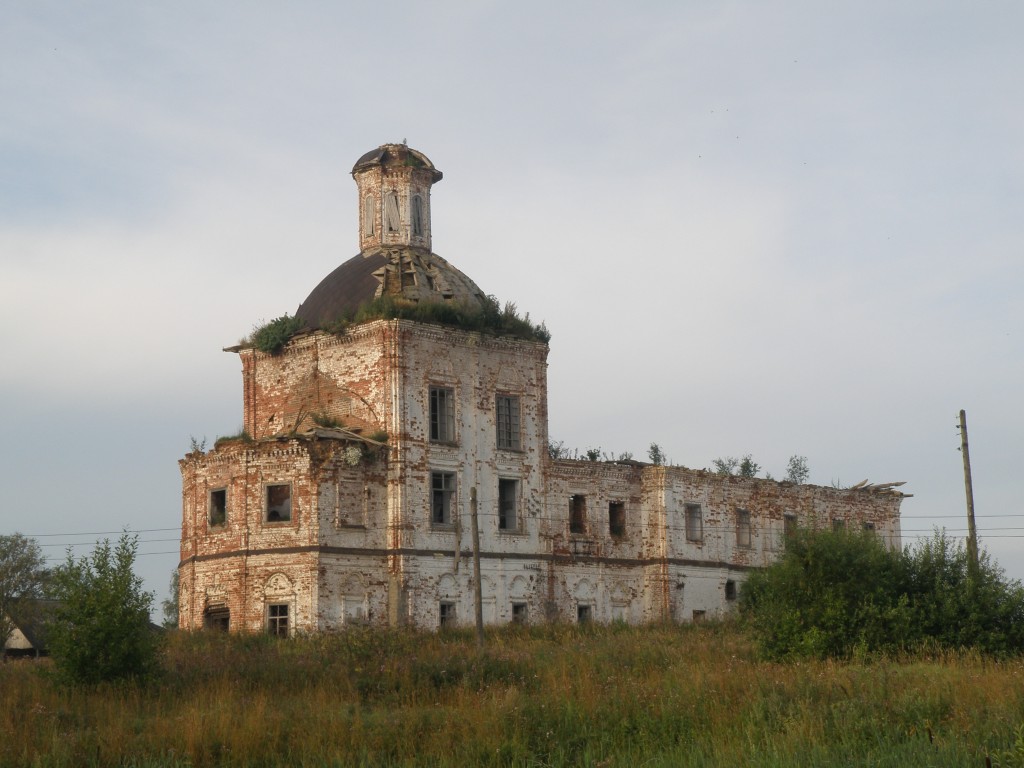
368 445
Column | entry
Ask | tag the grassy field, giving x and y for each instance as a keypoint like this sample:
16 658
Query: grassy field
544 696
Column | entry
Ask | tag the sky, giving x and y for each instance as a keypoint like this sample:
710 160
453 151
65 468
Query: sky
767 228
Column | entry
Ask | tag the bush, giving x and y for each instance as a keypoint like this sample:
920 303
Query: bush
101 630
831 593
834 594
271 337
488 318
956 613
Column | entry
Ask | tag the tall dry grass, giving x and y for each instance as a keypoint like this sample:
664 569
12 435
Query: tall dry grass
609 696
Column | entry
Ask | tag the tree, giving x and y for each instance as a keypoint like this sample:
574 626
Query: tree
748 467
101 630
726 465
22 577
730 465
170 605
656 455
797 470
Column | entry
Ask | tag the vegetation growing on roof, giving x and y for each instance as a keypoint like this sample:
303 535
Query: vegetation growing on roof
490 318
240 436
327 421
271 337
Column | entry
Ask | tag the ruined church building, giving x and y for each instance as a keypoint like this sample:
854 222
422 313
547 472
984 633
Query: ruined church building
370 438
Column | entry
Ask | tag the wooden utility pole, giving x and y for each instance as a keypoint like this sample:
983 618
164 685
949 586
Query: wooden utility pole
972 532
478 603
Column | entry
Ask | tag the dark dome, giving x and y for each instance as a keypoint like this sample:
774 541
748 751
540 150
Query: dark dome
343 291
409 273
396 154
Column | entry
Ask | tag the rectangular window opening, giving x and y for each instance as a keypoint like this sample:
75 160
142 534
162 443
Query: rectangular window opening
869 527
277 620
218 506
508 496
699 616
789 524
577 513
616 519
446 614
508 422
217 618
442 487
584 614
743 528
519 614
694 523
442 415
279 503
730 590
838 524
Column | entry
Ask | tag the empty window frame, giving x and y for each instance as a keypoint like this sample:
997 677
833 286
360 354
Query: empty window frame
508 504
699 616
277 620
694 522
417 215
577 513
743 528
507 410
442 488
217 618
789 524
730 590
616 519
442 415
218 506
446 614
868 527
519 613
279 503
584 614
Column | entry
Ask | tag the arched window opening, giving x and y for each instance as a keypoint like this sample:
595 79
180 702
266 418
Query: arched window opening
417 216
369 216
392 221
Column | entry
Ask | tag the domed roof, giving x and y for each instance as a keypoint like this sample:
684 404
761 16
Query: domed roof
409 273
396 259
396 154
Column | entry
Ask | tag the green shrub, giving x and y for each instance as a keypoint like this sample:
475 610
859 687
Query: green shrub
490 317
835 594
271 337
101 630
832 593
953 611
